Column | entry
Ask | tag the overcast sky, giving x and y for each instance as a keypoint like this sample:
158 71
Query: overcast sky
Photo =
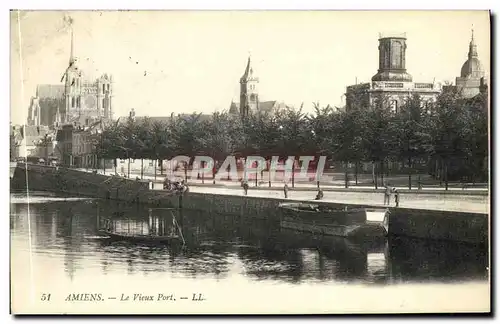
167 61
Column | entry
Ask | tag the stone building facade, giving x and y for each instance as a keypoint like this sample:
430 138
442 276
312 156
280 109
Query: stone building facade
392 82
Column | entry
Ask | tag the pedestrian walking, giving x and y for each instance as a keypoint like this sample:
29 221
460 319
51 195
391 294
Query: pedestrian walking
396 197
320 195
387 195
285 190
245 186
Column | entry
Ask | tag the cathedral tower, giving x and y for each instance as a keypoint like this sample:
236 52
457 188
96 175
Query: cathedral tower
72 86
249 97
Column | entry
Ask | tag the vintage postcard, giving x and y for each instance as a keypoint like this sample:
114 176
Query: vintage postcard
249 162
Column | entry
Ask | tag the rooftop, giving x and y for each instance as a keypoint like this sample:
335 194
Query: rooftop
391 35
50 91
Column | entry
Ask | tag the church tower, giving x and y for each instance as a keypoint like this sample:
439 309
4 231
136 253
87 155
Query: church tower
472 77
72 86
392 59
249 97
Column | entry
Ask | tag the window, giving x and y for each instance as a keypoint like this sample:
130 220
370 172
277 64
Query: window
103 88
394 106
107 86
396 55
104 103
72 102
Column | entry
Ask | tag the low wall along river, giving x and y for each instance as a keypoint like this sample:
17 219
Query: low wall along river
421 223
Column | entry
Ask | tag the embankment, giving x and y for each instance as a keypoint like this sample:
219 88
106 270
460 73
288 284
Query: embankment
63 180
420 223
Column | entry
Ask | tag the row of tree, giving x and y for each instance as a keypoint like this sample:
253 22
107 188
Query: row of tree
449 136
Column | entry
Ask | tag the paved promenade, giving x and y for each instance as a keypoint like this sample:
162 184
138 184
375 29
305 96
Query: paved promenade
458 201
479 204
277 185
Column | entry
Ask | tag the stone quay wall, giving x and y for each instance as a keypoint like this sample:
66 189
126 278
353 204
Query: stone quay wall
69 181
421 223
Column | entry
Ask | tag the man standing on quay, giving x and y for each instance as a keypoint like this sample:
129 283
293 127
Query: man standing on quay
387 194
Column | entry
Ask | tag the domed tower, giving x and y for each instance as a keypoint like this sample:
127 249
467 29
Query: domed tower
471 73
249 97
472 67
392 59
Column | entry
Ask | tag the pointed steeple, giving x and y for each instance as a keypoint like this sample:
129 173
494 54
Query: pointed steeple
248 71
472 46
71 55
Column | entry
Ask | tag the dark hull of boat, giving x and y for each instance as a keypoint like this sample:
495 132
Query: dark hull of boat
142 238
336 217
355 230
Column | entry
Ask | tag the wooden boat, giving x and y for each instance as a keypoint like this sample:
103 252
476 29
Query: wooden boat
344 222
141 238
109 229
322 213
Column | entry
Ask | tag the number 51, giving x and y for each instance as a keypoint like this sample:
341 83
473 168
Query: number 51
45 297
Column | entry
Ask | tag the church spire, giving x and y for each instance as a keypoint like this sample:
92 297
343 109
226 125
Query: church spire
248 71
472 46
69 21
71 55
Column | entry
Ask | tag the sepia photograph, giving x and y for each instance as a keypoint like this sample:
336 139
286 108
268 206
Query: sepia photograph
250 162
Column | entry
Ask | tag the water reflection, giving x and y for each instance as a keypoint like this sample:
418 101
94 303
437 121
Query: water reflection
218 246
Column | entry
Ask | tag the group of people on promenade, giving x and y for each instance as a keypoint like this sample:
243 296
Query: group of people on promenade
389 191
179 186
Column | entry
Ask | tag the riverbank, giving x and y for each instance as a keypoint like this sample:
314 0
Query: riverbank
465 223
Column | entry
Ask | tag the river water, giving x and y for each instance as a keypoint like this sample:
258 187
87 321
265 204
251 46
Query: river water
237 263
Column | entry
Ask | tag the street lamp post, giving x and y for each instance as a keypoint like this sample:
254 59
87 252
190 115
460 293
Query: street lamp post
313 133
